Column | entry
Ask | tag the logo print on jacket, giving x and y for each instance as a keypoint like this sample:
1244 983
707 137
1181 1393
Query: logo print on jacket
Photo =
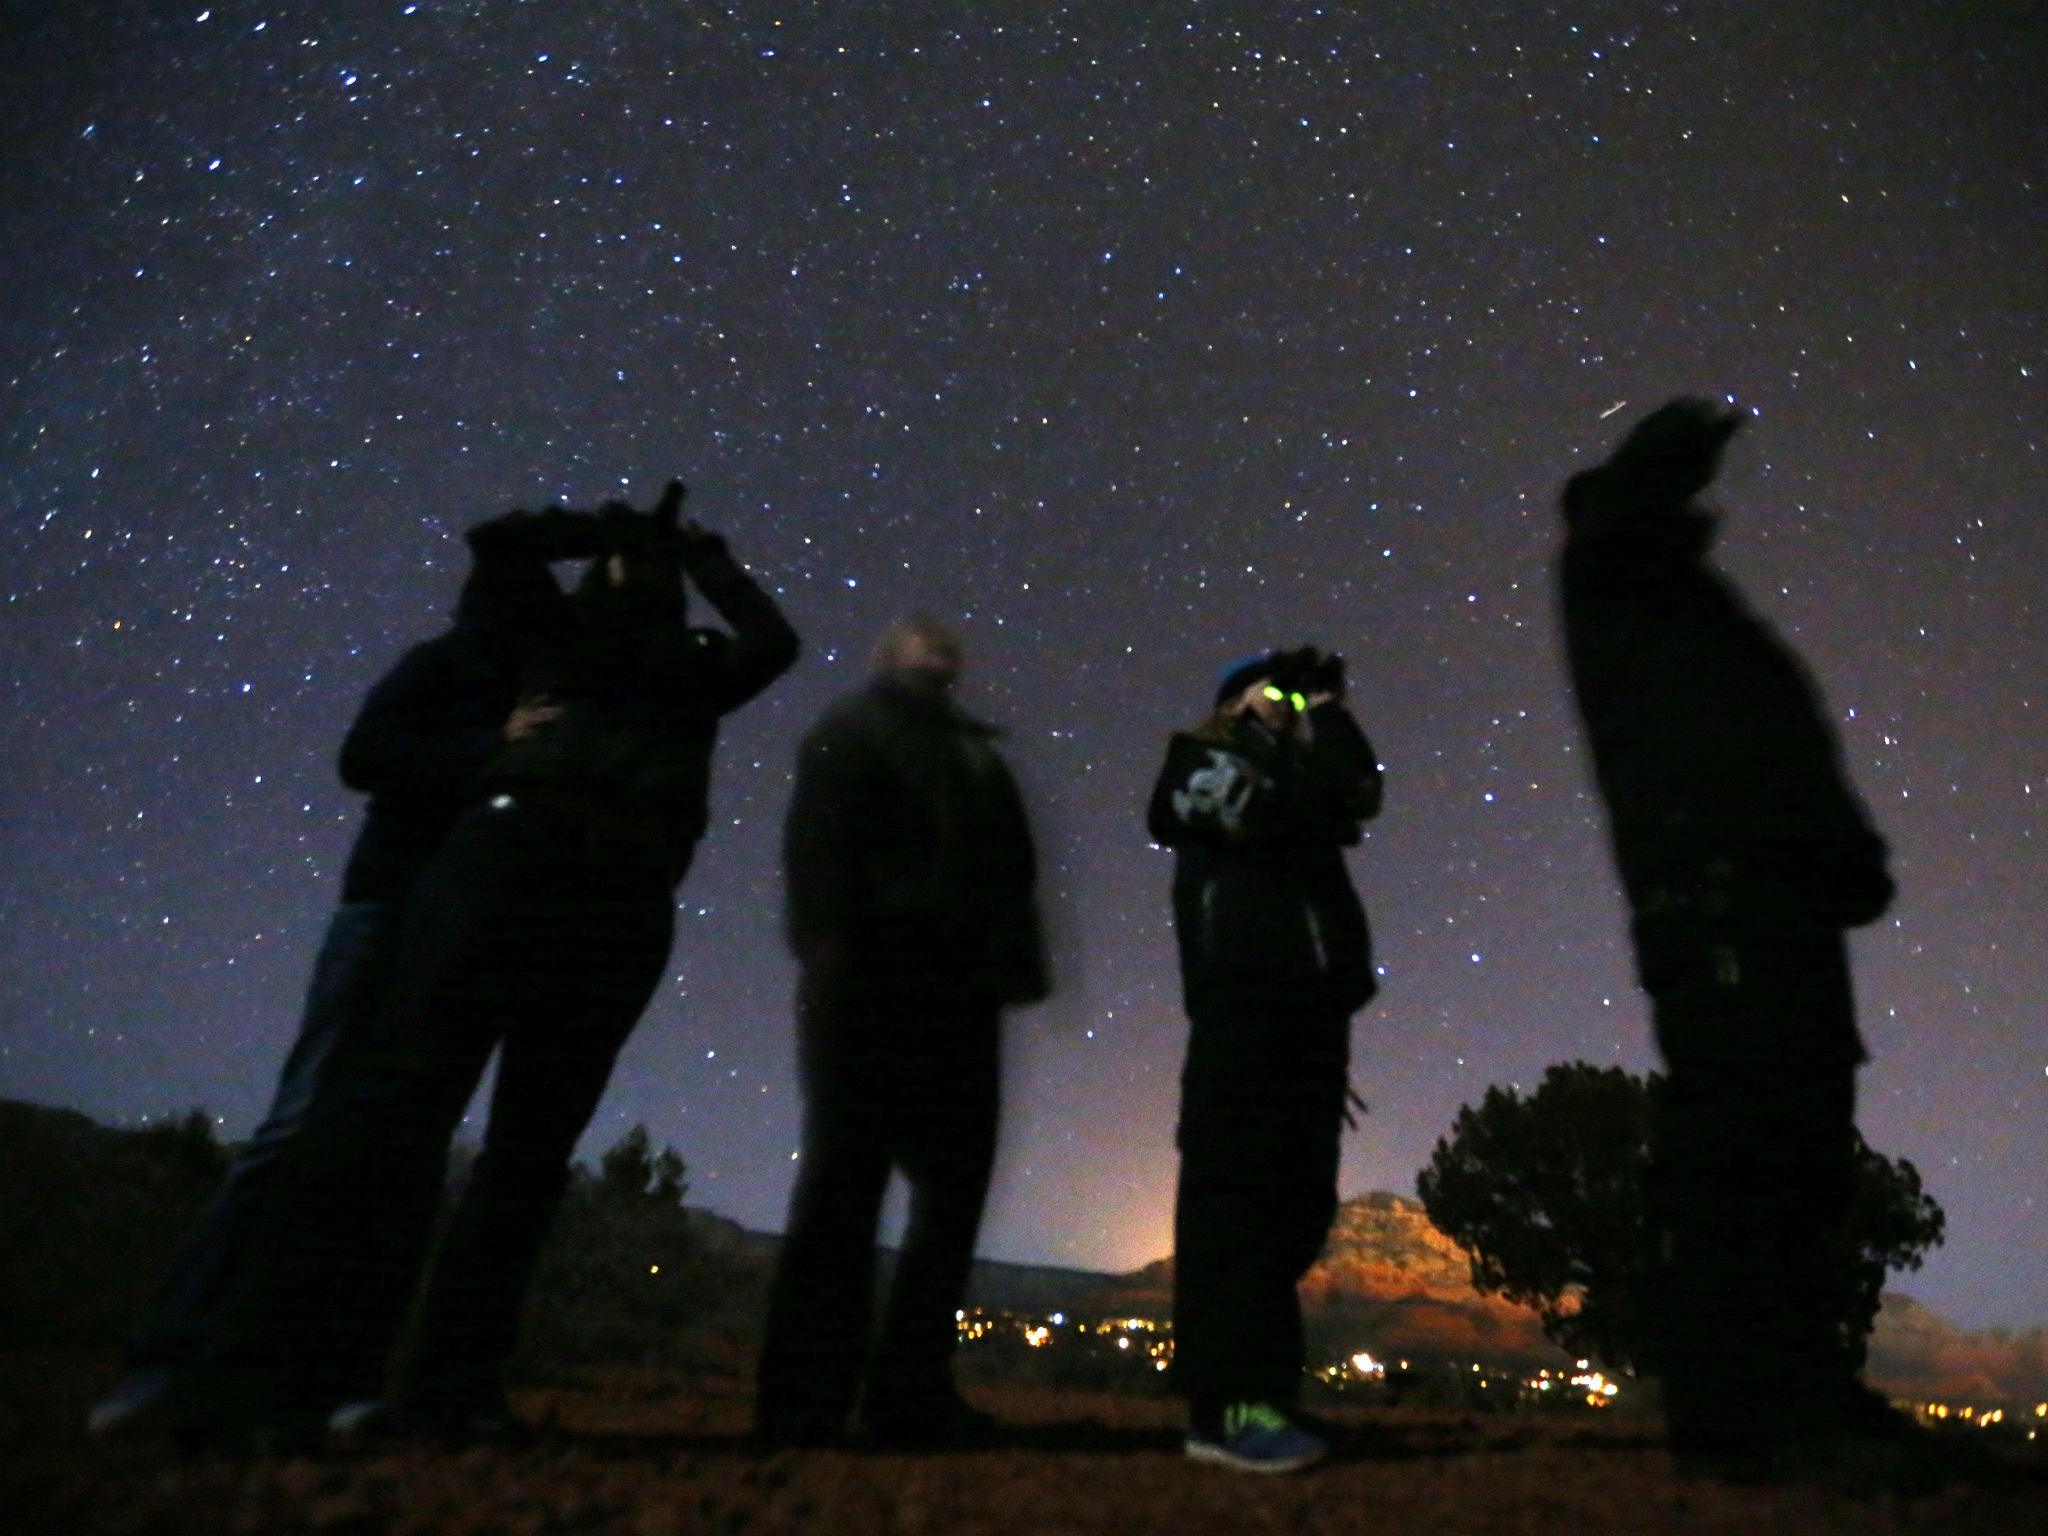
1219 790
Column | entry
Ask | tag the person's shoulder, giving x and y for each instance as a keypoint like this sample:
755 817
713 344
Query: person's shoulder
851 718
1201 748
452 649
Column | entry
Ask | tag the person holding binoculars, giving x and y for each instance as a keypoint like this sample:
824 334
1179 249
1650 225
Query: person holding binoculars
1259 804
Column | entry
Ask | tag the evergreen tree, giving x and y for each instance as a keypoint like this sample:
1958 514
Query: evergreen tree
1545 1194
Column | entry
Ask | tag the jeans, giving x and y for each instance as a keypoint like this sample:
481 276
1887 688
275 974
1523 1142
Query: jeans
518 936
348 979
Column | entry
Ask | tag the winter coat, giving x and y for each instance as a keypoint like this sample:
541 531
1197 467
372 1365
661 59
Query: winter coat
435 722
1262 903
908 856
1725 789
627 763
628 760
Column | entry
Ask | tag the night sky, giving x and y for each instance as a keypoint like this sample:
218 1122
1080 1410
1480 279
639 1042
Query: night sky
1130 338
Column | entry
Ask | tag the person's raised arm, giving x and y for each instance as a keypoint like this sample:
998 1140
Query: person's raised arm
763 644
1339 784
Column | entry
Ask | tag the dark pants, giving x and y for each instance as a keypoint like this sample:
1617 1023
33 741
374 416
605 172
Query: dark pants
1262 1108
889 1083
517 936
1752 1171
348 978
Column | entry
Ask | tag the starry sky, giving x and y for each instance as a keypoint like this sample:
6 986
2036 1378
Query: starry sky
1131 339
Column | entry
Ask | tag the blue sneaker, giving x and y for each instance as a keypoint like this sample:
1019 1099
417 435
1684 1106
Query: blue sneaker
140 1405
1257 1437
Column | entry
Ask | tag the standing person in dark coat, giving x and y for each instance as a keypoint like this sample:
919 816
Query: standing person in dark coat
540 927
1259 805
910 907
425 731
1745 854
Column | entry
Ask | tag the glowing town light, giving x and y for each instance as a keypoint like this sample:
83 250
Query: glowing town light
1038 1338
1365 1365
1598 1389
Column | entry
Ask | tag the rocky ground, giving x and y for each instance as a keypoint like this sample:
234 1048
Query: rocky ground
652 1457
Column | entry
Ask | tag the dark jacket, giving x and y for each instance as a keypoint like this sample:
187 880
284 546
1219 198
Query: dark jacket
431 725
628 761
1262 903
641 695
908 856
1723 778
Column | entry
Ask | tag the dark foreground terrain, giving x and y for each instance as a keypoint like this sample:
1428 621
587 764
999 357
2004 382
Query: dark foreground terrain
643 1456
641 1338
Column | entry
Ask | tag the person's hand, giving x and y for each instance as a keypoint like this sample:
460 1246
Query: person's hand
696 542
529 715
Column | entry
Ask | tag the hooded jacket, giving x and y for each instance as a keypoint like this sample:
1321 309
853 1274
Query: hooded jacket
627 762
431 725
1263 905
1723 779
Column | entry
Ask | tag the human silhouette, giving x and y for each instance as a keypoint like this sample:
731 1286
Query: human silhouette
539 928
1745 854
1259 804
911 909
423 734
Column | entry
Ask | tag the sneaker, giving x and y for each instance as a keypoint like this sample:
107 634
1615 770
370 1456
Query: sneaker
141 1404
363 1420
1257 1437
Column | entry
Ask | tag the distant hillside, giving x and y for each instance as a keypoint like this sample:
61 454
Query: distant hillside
1387 1282
1914 1352
88 1218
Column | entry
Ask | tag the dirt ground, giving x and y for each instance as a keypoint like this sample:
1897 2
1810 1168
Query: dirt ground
644 1458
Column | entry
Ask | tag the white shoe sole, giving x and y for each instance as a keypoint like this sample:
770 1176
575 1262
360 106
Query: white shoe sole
1212 1454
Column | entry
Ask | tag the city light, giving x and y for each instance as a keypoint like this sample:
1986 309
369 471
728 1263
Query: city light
1599 1390
1972 1415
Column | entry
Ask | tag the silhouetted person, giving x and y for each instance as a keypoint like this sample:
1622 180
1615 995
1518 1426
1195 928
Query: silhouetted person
910 877
1259 805
1745 854
425 732
540 927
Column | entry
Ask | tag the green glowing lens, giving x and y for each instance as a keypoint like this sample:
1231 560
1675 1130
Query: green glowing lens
1300 703
1274 693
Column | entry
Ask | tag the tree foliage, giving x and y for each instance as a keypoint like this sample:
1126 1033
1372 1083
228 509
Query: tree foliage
618 1280
1545 1194
631 1170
